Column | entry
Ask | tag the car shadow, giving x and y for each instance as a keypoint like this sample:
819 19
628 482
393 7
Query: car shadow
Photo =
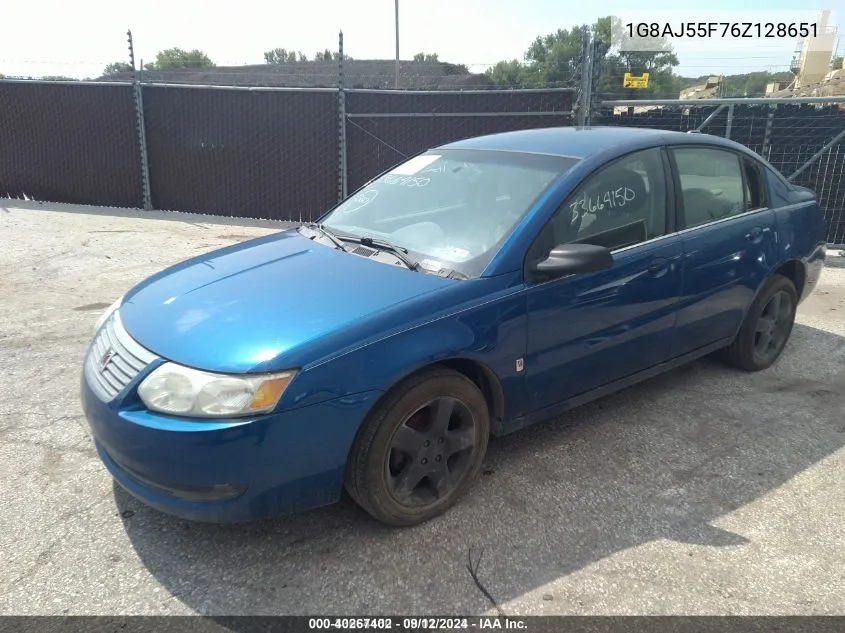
666 459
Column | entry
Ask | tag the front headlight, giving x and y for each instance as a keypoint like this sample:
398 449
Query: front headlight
105 315
183 391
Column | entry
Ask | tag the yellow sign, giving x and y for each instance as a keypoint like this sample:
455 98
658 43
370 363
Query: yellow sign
631 81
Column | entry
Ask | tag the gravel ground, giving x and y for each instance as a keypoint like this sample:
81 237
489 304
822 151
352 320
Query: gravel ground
704 491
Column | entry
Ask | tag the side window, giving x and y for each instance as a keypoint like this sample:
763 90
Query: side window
712 184
621 205
755 186
778 189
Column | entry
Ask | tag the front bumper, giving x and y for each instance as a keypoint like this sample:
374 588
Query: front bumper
226 471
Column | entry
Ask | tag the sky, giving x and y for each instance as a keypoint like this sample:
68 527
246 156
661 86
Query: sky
56 37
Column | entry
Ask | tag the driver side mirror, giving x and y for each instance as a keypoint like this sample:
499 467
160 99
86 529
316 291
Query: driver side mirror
568 259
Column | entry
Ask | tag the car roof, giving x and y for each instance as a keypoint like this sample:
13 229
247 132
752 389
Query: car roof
581 142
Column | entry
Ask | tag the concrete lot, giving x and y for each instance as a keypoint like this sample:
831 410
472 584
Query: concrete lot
706 491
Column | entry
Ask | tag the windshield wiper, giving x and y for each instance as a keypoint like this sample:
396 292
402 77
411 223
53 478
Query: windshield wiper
398 251
338 240
328 234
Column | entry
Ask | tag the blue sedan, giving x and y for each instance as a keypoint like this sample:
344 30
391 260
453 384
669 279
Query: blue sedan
472 290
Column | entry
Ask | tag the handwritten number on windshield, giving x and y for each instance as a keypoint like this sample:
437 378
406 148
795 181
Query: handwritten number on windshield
360 201
406 181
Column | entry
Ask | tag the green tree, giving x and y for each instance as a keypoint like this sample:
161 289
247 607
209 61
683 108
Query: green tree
508 73
283 56
329 56
454 69
117 67
57 78
426 57
174 58
836 63
743 85
659 62
752 84
556 60
551 60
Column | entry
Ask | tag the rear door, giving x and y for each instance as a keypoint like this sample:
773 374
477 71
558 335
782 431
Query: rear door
729 242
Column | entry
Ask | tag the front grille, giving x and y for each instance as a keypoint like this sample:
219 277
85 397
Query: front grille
114 359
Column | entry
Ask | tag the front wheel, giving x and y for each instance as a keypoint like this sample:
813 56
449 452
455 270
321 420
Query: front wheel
420 448
766 328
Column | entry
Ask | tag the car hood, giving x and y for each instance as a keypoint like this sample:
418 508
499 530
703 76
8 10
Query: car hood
251 306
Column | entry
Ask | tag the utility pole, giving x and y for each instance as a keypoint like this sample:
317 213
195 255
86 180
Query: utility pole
396 79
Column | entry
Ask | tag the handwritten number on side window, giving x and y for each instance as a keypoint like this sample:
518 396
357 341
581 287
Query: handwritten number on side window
610 199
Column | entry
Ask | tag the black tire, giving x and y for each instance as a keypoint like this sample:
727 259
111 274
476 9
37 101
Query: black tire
766 328
404 436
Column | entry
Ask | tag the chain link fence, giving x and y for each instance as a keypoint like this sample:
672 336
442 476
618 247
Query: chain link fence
244 153
290 153
65 142
385 127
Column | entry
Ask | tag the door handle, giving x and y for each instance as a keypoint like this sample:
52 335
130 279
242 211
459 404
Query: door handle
658 267
754 234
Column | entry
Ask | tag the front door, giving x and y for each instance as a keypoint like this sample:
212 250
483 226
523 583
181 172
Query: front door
585 331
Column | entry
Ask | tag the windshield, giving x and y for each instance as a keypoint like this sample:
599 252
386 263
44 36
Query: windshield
452 209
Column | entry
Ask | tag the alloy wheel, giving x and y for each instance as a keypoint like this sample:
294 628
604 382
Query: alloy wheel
431 452
774 325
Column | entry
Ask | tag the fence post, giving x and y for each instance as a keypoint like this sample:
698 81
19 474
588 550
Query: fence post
767 136
342 184
598 50
584 98
730 121
140 125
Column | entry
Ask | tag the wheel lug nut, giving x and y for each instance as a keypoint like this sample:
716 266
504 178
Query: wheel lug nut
424 461
438 458
439 440
426 443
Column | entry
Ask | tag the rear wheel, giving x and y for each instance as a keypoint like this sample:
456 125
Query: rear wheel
766 327
420 448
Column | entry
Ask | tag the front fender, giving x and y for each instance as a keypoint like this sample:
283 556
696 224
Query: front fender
491 333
